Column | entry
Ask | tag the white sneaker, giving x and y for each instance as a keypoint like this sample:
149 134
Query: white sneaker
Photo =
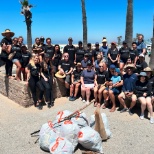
83 100
151 120
142 116
87 103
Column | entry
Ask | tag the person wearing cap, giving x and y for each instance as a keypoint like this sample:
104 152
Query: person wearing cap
87 82
49 48
79 55
85 61
56 57
25 58
143 91
6 43
134 53
113 55
66 67
141 46
46 78
124 53
129 80
96 51
75 82
113 89
141 64
70 49
111 70
90 53
104 48
101 78
16 51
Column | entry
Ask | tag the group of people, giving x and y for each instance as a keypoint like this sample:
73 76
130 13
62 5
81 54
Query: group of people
104 71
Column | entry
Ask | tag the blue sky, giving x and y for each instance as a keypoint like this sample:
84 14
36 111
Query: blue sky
60 19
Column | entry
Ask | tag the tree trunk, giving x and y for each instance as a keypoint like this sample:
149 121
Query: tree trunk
84 22
151 63
29 38
129 23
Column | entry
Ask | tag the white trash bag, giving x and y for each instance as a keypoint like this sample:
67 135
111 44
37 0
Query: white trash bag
80 119
90 139
47 135
70 131
62 114
105 121
61 146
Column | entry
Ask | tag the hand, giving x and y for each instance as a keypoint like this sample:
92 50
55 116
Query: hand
61 71
83 85
144 94
27 83
46 79
74 62
53 80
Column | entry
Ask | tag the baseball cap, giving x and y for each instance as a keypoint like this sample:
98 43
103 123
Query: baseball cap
112 66
97 43
141 55
124 42
89 44
42 38
80 42
117 70
113 43
89 63
70 38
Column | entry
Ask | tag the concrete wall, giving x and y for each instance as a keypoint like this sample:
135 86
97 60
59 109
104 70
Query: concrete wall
20 93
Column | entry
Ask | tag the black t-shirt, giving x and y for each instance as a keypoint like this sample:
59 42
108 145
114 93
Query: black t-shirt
66 65
133 54
49 50
140 66
79 54
46 72
95 53
36 46
25 59
102 77
7 42
90 54
113 53
57 58
17 49
71 51
124 53
34 70
77 75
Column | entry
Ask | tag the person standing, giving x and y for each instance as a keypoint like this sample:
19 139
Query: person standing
70 49
96 51
141 47
6 43
90 53
104 49
79 52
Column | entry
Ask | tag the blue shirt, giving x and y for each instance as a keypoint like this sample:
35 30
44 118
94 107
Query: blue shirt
88 76
140 47
115 79
104 50
129 82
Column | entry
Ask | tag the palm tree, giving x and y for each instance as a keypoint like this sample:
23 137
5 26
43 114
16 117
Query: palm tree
129 23
28 16
151 63
84 22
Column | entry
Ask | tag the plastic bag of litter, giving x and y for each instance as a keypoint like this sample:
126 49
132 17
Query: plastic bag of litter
62 114
80 119
70 131
90 139
105 121
57 125
61 146
47 135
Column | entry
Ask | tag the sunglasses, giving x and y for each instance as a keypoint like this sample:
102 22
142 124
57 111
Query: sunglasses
65 56
100 66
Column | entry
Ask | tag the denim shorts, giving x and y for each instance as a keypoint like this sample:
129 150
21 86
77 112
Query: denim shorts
123 61
115 91
14 60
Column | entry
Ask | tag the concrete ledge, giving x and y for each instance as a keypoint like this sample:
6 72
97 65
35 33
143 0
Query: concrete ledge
20 93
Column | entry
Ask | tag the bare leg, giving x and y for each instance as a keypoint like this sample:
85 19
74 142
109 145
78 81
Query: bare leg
100 93
76 89
71 89
18 65
143 104
134 98
149 106
121 100
121 67
112 97
83 92
88 92
95 93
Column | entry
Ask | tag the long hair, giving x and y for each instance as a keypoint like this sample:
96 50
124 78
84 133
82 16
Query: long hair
45 66
32 60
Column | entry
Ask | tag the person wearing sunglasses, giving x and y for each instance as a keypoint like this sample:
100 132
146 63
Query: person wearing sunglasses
65 67
101 78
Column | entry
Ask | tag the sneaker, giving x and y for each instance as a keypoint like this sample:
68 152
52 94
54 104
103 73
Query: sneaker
123 110
87 103
49 105
151 120
130 111
71 98
83 100
74 98
142 116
